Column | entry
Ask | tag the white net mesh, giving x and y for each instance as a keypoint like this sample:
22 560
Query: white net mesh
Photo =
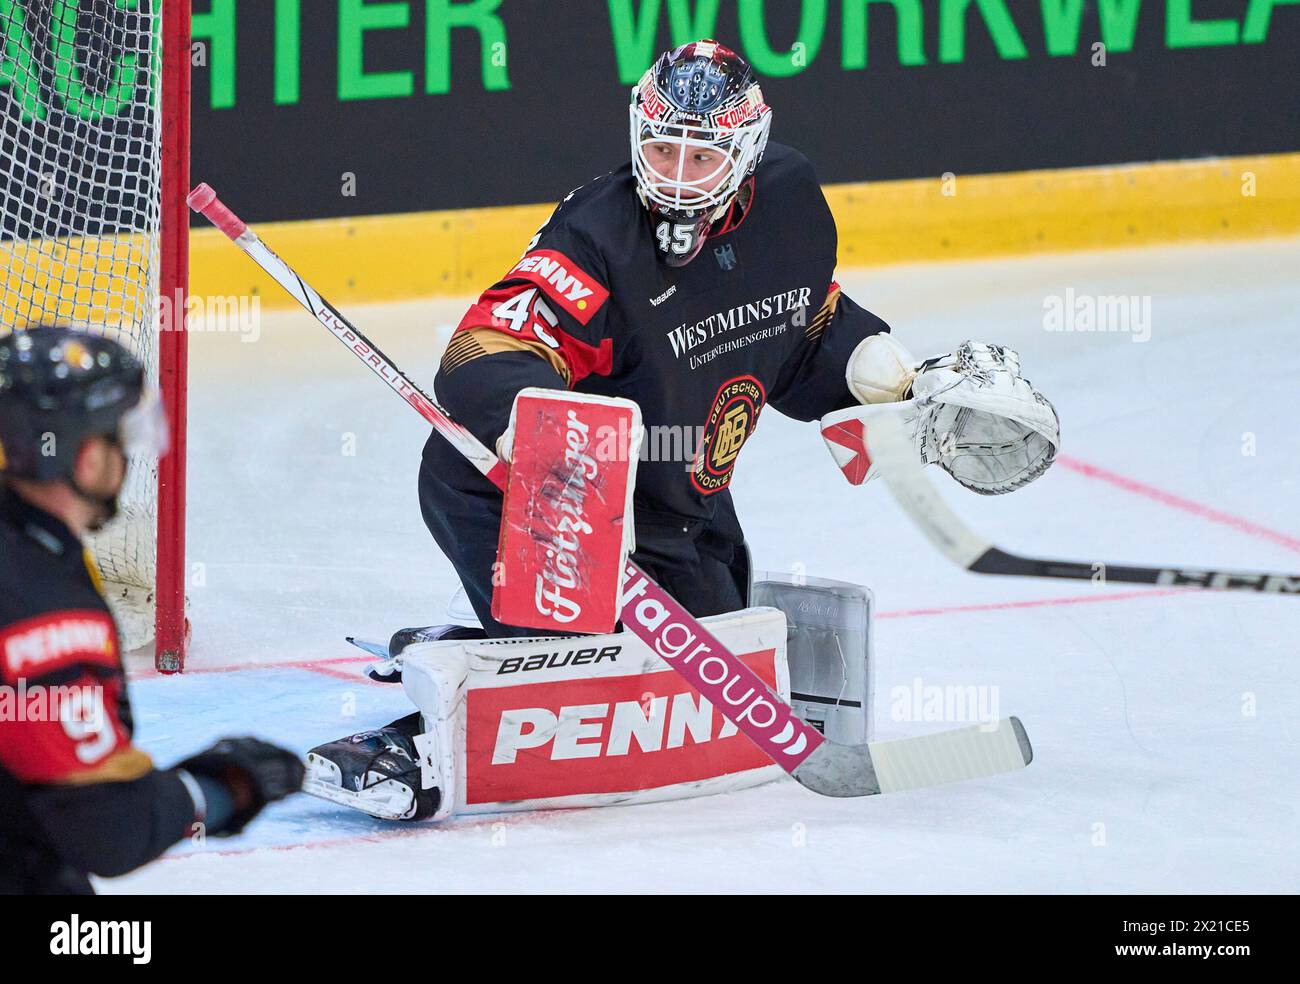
80 200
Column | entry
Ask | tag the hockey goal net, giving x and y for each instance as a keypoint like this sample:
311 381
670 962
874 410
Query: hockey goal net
94 164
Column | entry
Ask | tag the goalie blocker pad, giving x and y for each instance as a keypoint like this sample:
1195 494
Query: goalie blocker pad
566 526
526 724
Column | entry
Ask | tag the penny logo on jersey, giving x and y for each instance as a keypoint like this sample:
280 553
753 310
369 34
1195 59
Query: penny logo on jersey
732 419
575 290
56 641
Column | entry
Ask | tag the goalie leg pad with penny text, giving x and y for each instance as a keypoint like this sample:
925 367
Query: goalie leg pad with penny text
525 724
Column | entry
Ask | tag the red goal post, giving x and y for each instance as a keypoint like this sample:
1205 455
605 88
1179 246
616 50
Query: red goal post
171 627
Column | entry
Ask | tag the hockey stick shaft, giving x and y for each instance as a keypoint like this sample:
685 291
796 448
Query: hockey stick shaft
664 625
205 201
891 450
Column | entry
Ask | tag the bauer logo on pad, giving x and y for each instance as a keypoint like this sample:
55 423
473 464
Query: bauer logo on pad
566 529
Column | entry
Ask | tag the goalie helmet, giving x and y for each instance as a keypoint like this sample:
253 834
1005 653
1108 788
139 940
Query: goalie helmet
699 126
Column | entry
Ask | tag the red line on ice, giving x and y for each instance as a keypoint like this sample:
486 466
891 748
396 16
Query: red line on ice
339 674
313 665
996 606
1178 502
324 665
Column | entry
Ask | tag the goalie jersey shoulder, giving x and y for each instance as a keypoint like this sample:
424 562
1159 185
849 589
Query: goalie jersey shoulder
554 299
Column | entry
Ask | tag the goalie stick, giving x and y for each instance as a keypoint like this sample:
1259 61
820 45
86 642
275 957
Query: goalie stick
663 624
891 448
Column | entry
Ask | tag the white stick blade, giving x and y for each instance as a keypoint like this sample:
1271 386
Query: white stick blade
951 756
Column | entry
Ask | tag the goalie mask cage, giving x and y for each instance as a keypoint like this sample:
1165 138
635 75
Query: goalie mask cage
94 169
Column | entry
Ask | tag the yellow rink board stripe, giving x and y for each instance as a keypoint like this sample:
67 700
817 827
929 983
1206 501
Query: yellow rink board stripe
1064 210
458 252
461 252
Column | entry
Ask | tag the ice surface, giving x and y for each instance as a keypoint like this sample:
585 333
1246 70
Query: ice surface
1164 723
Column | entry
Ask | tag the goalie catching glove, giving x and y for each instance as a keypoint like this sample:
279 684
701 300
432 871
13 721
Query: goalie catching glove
971 412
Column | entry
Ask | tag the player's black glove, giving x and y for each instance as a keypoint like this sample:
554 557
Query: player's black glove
256 773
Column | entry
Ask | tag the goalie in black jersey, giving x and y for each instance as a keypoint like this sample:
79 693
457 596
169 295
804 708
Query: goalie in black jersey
698 281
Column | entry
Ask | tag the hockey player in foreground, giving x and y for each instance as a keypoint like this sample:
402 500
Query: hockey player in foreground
76 795
682 294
